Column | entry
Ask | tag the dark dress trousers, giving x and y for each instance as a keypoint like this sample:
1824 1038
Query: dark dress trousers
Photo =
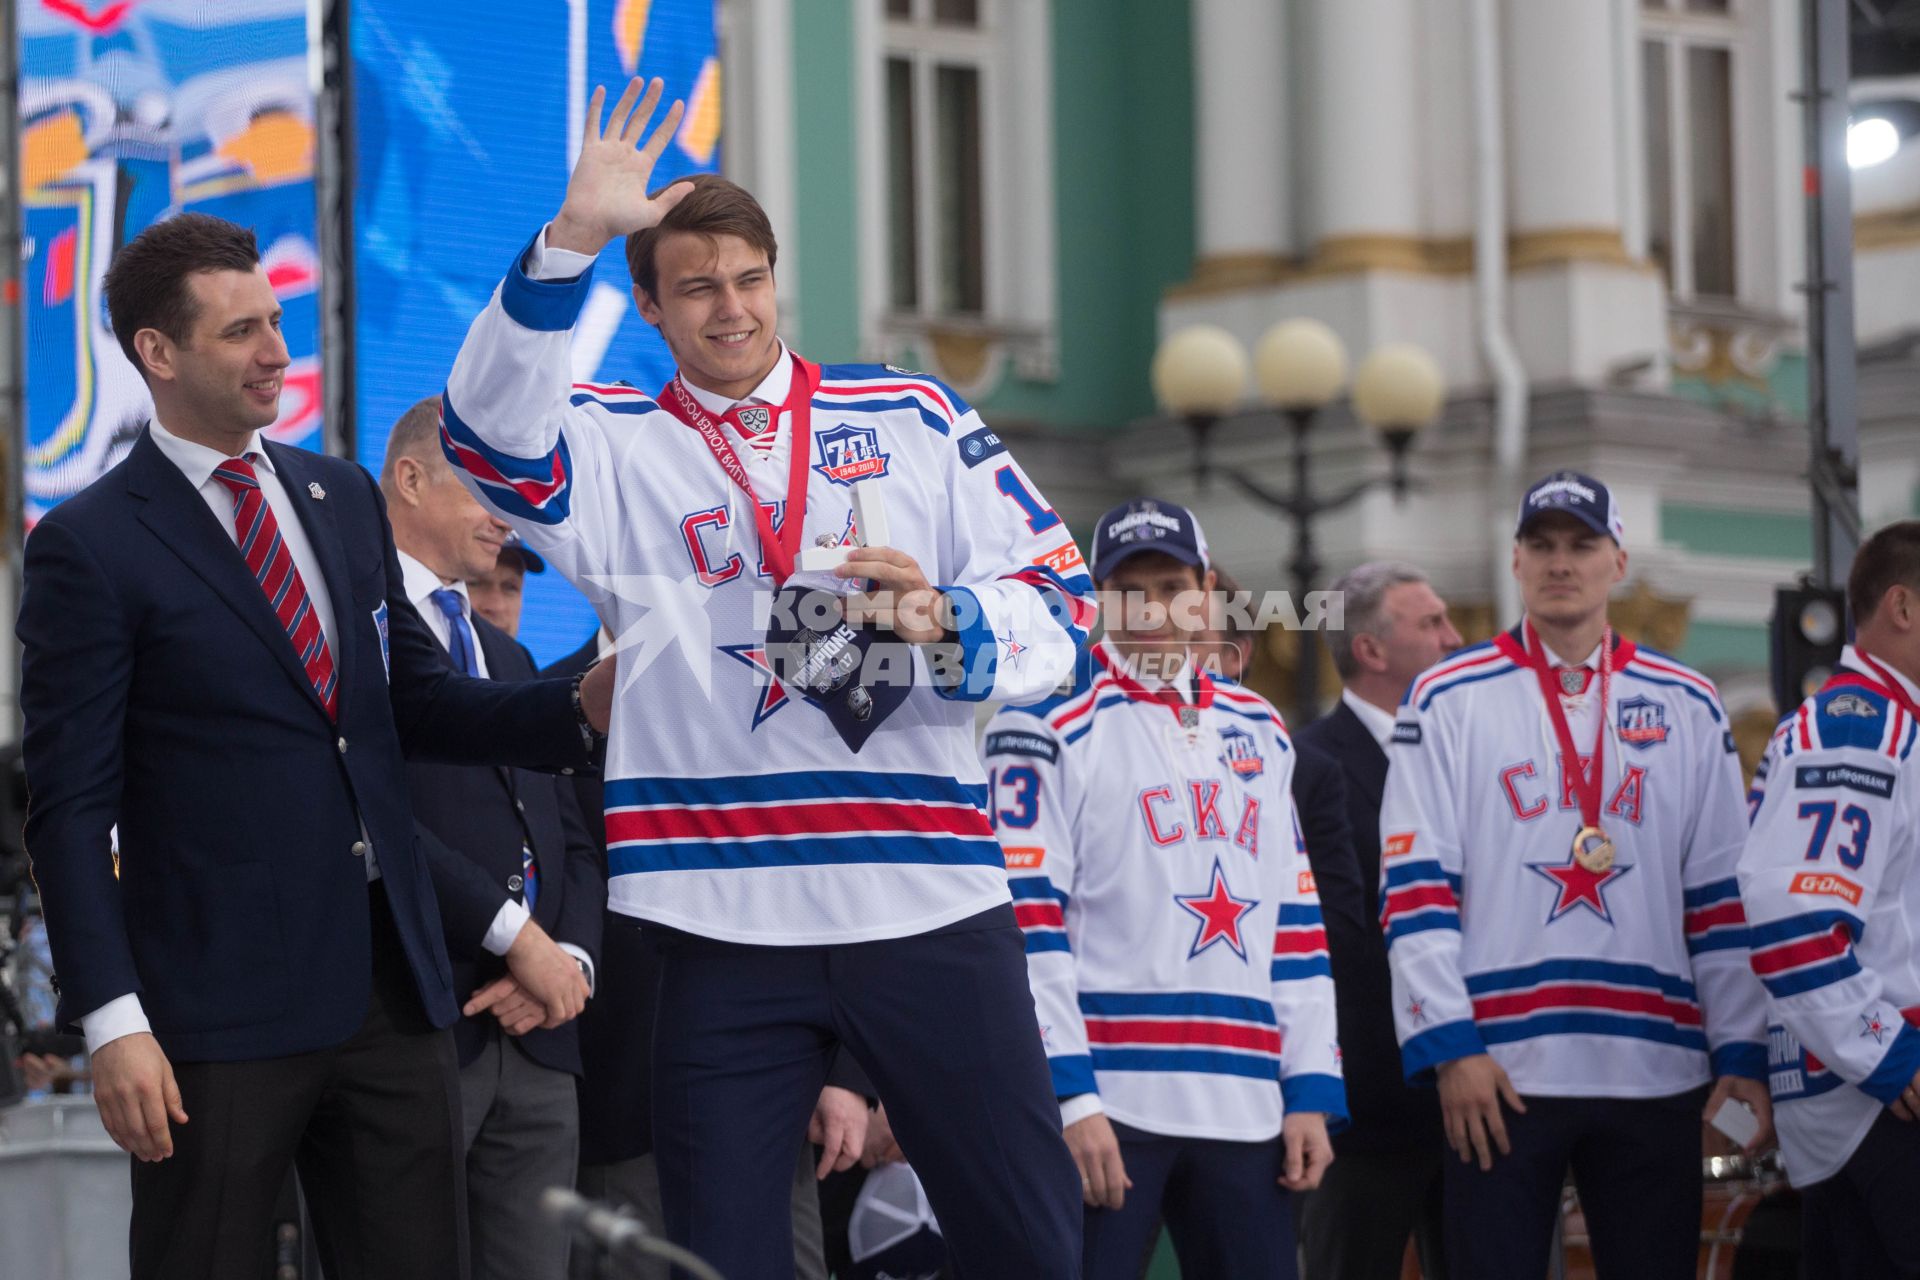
297 1002
1384 1182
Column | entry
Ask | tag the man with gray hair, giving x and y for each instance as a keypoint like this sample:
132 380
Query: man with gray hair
1385 1183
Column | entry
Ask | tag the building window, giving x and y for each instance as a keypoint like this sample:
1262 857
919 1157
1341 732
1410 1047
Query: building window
955 233
1687 72
937 54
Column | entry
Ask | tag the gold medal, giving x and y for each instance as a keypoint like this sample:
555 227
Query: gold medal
1593 850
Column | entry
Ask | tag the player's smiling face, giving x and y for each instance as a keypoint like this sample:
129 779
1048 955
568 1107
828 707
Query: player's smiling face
1154 603
715 309
1565 569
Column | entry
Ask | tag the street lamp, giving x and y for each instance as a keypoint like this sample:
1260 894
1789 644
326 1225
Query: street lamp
1300 367
1200 375
1397 391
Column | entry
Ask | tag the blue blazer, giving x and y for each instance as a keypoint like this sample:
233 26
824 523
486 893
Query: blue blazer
483 816
161 694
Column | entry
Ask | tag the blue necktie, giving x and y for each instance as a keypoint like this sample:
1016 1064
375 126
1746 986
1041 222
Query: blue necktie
461 646
459 632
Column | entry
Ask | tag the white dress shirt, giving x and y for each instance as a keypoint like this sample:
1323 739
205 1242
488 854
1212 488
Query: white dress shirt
123 1015
1379 723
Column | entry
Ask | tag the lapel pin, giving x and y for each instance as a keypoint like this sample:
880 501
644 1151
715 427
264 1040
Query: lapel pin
316 490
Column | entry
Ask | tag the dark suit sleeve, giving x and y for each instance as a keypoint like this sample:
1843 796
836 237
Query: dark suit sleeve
585 907
468 897
845 1073
76 669
1320 794
458 720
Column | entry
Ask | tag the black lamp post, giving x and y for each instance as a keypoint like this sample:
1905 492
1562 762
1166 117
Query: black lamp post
1300 365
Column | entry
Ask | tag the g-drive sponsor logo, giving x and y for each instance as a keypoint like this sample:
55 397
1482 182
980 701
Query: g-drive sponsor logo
1871 781
1826 885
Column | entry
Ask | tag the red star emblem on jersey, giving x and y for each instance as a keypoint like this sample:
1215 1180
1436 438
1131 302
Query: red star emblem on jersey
1578 887
1417 1009
772 694
1872 1024
1012 647
1219 913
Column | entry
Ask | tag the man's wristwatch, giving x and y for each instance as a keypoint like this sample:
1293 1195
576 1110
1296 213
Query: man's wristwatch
588 734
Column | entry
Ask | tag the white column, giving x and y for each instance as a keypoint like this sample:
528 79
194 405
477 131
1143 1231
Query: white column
1562 135
1363 121
1241 120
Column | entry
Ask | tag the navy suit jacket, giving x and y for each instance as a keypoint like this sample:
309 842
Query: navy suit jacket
482 815
1388 1114
161 694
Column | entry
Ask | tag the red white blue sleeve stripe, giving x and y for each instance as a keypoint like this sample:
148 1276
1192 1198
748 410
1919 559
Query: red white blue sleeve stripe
1040 909
1419 895
535 489
1804 952
1300 943
1714 917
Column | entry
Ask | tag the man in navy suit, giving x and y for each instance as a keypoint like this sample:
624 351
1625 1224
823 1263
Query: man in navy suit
220 659
1384 1184
529 878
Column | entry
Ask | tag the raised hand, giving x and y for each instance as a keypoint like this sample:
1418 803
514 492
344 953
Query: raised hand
608 195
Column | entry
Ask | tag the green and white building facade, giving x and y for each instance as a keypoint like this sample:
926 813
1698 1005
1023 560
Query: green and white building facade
1024 196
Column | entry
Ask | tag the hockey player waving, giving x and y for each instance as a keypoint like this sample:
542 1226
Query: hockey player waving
1560 831
1173 936
1830 886
802 896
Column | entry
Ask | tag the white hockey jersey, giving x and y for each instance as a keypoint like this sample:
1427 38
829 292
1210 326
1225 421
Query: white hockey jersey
733 809
1627 982
1174 940
1832 899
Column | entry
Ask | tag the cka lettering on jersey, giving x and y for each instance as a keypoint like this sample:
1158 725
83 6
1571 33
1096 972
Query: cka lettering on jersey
1528 798
1169 821
704 533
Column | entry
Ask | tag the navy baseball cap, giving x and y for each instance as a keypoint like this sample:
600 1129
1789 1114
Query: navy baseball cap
530 561
1147 524
1577 495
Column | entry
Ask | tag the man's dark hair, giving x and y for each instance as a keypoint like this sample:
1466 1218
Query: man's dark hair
1889 559
146 286
715 207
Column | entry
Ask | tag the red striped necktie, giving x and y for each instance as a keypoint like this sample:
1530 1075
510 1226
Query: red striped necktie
266 553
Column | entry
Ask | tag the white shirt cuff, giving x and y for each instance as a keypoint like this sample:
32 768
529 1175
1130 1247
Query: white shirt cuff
120 1016
1079 1107
586 962
542 263
507 923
